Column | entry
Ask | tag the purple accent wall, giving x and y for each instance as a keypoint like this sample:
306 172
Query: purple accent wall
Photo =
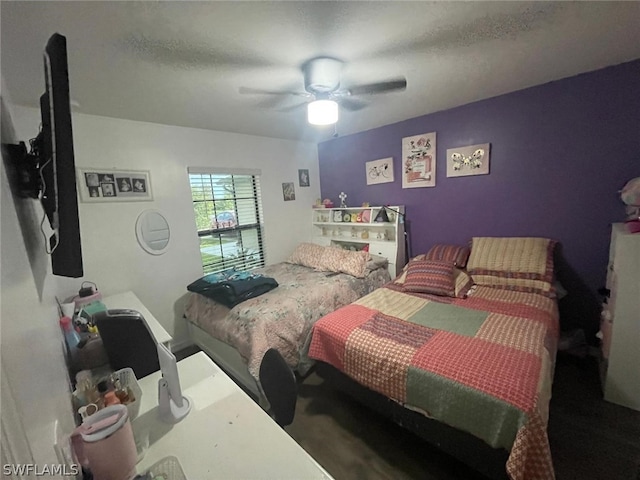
559 154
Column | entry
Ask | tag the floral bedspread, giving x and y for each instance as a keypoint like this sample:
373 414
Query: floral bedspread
483 364
281 318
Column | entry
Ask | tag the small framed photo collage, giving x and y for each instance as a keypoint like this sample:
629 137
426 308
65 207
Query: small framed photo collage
102 185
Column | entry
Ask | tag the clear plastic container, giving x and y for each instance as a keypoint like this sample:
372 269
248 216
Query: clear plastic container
128 380
167 468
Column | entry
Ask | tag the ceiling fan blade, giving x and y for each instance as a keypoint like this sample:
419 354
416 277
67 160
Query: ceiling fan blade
352 104
380 87
293 107
257 91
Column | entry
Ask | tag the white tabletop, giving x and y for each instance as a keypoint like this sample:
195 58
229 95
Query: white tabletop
128 300
225 436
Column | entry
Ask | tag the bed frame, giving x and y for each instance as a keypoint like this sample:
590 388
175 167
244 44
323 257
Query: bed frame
228 358
462 446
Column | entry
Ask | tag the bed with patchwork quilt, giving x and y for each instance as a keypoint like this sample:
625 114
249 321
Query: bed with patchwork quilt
480 361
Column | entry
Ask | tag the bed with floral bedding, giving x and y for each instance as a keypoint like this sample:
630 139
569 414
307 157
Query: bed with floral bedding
313 282
473 349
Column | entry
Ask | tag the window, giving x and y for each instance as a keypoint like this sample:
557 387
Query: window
228 214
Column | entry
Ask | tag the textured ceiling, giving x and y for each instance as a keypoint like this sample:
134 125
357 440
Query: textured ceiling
182 63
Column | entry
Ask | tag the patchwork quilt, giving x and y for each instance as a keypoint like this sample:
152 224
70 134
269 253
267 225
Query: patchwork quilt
483 364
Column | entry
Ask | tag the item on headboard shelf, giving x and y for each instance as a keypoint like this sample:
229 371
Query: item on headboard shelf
342 198
382 216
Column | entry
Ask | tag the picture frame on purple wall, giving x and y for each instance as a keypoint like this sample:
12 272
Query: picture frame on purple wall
379 171
470 160
419 161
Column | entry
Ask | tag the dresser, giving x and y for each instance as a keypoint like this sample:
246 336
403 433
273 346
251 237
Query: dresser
356 228
620 324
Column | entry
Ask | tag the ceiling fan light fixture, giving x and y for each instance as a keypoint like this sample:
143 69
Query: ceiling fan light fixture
322 112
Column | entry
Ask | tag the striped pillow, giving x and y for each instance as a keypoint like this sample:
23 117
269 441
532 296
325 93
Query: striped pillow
453 253
430 276
523 264
463 282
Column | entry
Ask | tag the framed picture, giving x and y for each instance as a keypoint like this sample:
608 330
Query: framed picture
379 171
104 185
288 191
419 161
303 177
471 160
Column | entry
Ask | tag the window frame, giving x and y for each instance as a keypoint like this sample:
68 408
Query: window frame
255 259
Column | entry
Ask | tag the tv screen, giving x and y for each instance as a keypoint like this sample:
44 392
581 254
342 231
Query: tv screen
57 164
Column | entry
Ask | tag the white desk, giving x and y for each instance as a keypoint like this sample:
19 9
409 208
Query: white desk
225 436
128 300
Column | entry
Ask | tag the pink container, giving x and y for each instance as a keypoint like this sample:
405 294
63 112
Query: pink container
104 444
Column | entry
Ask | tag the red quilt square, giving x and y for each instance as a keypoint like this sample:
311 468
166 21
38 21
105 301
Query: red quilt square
331 332
508 374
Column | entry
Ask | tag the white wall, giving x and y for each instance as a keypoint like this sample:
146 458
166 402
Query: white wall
36 402
112 257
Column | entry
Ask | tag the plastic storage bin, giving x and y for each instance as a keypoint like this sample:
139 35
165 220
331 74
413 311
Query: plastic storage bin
167 468
128 380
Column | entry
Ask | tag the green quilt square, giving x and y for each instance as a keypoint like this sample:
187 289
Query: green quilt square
489 418
451 318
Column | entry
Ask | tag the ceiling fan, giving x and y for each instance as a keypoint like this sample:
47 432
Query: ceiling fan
323 89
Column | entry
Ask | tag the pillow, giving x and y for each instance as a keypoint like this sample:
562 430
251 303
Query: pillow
336 259
422 256
430 276
523 264
307 254
463 282
454 253
376 262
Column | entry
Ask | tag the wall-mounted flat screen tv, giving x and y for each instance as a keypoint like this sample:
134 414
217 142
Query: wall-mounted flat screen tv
56 164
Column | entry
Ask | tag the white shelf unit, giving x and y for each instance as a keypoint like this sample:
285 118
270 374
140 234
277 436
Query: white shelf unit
621 320
355 227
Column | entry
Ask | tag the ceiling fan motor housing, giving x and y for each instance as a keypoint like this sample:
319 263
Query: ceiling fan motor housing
322 75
